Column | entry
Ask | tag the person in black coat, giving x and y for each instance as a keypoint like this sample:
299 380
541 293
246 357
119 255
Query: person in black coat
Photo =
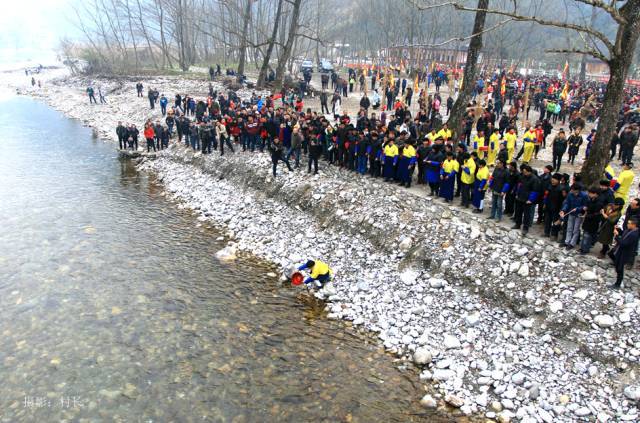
633 212
527 192
559 148
553 198
277 154
422 152
512 179
121 132
545 183
625 250
592 219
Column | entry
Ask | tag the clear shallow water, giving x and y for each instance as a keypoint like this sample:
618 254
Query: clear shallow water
112 307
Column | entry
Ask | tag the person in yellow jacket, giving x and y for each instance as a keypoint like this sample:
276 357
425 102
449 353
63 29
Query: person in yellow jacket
610 174
390 159
479 144
445 133
467 177
624 181
494 146
448 173
511 139
406 164
432 136
480 186
319 272
529 146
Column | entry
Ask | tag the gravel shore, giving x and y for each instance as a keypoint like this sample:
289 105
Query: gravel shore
506 326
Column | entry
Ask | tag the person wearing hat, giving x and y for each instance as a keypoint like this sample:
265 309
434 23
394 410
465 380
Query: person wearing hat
559 147
624 182
319 273
610 215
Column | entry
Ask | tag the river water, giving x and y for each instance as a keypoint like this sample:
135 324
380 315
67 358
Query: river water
113 308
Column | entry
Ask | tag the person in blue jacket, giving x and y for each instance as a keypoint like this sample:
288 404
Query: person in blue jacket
433 166
163 104
573 209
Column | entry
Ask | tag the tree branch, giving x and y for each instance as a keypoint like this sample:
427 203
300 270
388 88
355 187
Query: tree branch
610 9
589 52
544 22
432 6
499 24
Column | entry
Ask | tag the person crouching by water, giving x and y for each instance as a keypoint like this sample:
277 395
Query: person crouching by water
319 273
625 250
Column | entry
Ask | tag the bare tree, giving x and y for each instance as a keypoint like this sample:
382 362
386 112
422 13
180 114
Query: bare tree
243 38
288 46
470 70
272 42
617 53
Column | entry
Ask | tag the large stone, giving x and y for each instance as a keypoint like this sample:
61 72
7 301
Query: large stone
517 379
556 306
604 320
632 392
472 319
451 342
228 253
581 294
524 270
443 374
408 277
588 275
582 412
454 401
406 244
436 283
428 402
422 356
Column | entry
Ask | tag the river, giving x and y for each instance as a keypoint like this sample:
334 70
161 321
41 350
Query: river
113 307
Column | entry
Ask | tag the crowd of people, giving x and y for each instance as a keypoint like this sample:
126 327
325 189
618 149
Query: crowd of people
493 156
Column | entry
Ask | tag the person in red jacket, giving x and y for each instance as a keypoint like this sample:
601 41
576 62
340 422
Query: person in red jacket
253 134
149 134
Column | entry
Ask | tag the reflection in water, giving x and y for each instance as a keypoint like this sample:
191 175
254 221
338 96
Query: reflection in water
112 307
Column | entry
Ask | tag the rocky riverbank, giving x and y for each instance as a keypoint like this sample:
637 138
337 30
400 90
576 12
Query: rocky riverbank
502 325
